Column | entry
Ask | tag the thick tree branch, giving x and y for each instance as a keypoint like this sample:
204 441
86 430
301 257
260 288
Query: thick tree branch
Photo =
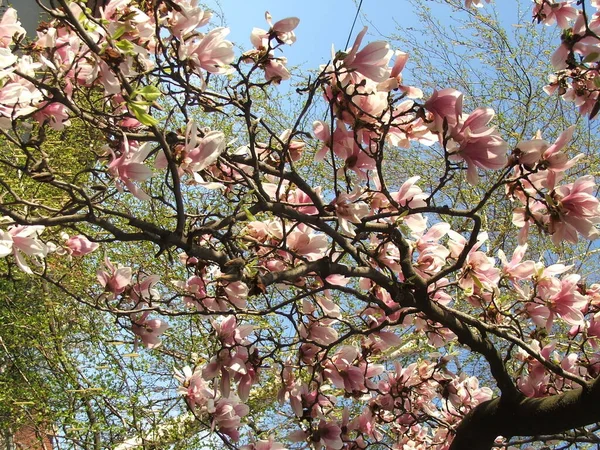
528 417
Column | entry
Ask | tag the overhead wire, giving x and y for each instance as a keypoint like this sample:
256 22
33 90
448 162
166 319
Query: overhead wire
354 23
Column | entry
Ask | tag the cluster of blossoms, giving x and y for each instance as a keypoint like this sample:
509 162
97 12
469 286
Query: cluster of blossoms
576 59
295 252
562 211
394 399
266 42
236 361
24 240
136 294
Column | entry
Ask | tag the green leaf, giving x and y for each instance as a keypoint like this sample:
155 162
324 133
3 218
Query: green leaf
249 215
125 46
140 113
477 282
147 119
149 93
120 31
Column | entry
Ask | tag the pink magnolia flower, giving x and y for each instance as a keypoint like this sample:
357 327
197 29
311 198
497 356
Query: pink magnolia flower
395 80
530 152
432 236
275 69
593 330
293 147
10 27
408 127
237 293
187 18
344 146
226 416
575 209
558 298
345 372
116 279
431 259
522 218
193 387
555 160
245 367
546 156
410 195
319 330
148 330
361 100
437 335
535 383
113 8
322 132
302 399
328 306
478 273
197 154
457 242
444 105
195 288
366 424
262 444
437 292
559 57
583 44
230 333
593 293
260 40
348 208
560 13
293 195
476 144
211 52
328 435
7 58
546 276
465 393
283 29
372 61
80 245
55 114
143 290
303 241
18 98
23 239
130 167
431 254
475 3
515 269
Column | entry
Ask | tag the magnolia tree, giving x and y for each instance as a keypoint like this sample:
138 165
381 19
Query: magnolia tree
341 307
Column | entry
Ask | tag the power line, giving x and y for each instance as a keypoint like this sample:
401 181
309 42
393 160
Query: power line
353 23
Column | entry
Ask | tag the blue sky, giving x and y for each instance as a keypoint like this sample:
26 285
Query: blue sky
327 22
322 23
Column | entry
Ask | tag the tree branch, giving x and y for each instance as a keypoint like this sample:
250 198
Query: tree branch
528 417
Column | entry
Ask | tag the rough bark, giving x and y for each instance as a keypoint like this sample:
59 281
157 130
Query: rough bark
528 417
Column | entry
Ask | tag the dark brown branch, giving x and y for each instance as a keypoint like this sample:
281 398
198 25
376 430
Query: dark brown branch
528 417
